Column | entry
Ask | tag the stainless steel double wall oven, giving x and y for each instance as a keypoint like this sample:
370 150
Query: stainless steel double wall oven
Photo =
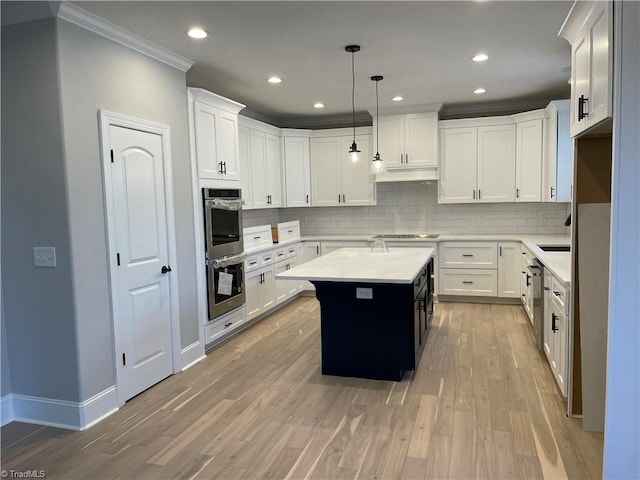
223 249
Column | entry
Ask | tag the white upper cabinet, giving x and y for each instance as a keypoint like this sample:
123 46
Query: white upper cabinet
409 140
261 158
213 125
335 179
477 163
558 164
529 156
297 173
589 29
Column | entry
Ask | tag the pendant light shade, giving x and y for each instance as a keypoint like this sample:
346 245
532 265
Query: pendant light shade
377 165
353 150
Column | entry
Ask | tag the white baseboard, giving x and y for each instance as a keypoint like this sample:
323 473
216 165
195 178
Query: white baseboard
6 410
62 413
192 354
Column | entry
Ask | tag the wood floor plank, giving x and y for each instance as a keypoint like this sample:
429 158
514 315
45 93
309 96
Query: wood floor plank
481 404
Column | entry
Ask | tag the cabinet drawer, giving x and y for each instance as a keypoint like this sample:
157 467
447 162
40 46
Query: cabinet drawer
225 323
560 295
289 231
285 252
251 263
255 238
468 255
461 281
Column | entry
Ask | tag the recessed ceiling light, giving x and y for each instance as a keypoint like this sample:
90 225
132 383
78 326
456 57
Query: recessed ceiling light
274 79
397 98
479 91
318 105
197 32
481 57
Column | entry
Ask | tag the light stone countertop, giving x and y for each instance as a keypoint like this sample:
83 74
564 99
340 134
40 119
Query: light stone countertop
401 265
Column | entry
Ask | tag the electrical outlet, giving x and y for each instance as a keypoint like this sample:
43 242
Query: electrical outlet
44 257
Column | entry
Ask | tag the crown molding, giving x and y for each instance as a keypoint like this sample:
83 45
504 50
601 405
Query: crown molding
450 112
317 122
76 15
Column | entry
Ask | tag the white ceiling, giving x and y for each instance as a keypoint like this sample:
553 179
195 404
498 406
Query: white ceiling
423 49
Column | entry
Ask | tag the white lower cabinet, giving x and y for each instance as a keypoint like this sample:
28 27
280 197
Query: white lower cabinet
556 329
307 251
259 291
468 281
285 289
223 324
509 269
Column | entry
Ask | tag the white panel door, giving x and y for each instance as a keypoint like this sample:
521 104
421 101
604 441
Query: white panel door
274 171
600 72
297 176
206 142
358 187
325 171
420 139
580 81
529 161
391 132
458 161
509 270
142 307
496 163
227 135
258 152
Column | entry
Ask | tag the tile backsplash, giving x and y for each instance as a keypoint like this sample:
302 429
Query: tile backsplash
412 207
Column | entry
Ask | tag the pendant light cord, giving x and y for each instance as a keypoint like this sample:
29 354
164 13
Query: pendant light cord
353 93
377 124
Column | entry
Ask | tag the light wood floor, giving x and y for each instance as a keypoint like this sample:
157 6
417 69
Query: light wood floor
482 404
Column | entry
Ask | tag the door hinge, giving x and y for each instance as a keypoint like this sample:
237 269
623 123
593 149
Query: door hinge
124 359
111 156
118 259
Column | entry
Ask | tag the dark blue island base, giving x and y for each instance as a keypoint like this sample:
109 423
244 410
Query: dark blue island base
374 330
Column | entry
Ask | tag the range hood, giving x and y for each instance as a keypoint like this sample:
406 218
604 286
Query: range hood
407 175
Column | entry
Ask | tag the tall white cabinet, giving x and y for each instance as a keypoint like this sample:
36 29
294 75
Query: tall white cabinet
335 179
297 167
213 128
477 161
589 29
557 174
529 155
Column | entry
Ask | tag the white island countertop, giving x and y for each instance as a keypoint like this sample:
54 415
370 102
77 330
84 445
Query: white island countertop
398 265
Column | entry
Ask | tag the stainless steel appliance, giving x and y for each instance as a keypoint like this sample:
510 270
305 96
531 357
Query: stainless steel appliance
223 250
225 284
535 278
223 222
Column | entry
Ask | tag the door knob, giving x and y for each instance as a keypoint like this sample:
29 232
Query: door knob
165 269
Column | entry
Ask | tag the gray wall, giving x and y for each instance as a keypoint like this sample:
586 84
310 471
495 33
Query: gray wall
38 302
97 73
55 78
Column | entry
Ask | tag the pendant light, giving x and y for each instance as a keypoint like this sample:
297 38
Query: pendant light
353 151
377 165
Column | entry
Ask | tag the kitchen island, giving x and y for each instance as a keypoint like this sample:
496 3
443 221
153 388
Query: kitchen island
375 309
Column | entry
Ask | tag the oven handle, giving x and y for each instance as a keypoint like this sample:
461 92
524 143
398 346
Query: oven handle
226 261
224 204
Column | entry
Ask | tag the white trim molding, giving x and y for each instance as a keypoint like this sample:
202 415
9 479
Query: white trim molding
192 354
76 15
60 413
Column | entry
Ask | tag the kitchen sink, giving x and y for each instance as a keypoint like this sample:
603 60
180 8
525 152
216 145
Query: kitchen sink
407 236
555 248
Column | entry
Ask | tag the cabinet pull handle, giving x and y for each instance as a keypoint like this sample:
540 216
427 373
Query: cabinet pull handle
220 169
317 249
467 255
401 158
467 282
253 263
224 164
557 294
343 199
500 250
581 110
307 198
517 193
554 326
552 189
406 158
528 280
257 238
474 193
479 196
546 289
228 324
338 198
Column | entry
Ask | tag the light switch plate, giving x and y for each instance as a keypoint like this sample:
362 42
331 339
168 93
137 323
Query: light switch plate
44 257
